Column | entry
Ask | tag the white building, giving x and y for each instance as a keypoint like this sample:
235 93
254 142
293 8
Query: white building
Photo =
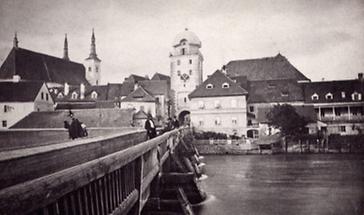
92 64
140 100
18 99
186 70
219 105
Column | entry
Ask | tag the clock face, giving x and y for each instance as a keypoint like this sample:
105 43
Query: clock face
185 77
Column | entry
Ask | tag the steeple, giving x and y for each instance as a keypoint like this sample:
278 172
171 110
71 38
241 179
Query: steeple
65 48
15 40
93 54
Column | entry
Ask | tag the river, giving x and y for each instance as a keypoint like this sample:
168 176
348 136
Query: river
283 184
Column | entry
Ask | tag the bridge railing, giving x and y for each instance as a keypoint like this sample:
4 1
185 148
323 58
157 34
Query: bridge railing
115 183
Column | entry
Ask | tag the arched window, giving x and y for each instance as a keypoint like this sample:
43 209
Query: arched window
225 85
94 95
209 86
60 96
329 96
42 96
74 95
314 96
356 96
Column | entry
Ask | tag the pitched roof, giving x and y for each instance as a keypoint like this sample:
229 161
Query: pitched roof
275 91
159 76
19 91
217 80
135 78
336 88
269 68
30 65
139 95
155 87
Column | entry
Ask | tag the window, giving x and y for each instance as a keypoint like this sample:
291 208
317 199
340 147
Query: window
97 69
217 121
89 68
190 61
42 96
201 105
329 96
225 85
217 104
184 85
233 103
178 62
271 85
343 95
60 96
5 123
97 82
200 122
190 72
209 86
47 97
185 99
234 121
251 108
183 51
284 93
314 97
178 73
342 129
94 95
250 122
356 96
74 95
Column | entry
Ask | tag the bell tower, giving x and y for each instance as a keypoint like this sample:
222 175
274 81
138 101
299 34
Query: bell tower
185 68
92 64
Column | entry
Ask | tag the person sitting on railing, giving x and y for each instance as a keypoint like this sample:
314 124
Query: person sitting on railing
150 127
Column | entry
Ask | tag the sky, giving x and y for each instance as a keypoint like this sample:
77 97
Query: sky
321 38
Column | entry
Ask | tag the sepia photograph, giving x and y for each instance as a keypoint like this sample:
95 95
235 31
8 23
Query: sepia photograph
191 107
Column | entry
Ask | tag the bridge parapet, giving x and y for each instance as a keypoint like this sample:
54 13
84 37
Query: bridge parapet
110 175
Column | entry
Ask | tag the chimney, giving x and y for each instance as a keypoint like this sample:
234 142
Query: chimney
82 91
66 89
360 76
16 78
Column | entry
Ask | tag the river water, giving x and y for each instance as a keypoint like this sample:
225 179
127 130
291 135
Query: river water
283 184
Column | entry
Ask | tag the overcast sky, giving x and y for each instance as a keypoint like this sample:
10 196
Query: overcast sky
321 38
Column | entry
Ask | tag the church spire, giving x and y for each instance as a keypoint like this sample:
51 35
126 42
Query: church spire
65 48
15 40
93 54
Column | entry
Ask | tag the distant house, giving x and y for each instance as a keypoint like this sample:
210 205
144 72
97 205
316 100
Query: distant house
269 81
140 100
219 105
18 99
338 104
160 89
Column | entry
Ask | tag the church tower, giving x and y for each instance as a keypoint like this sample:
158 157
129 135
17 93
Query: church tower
92 64
65 48
186 68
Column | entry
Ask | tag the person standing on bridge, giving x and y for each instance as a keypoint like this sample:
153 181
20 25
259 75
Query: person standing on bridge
150 127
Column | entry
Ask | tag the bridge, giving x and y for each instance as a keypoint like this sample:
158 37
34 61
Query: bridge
118 173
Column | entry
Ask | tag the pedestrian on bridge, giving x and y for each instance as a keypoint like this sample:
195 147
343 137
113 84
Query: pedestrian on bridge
150 127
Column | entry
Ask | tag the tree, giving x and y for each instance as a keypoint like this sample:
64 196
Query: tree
287 120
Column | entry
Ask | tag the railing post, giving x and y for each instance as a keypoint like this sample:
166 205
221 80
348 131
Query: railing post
139 165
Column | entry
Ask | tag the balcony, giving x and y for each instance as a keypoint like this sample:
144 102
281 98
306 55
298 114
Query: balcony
342 118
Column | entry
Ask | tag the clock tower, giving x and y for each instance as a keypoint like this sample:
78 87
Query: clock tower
186 68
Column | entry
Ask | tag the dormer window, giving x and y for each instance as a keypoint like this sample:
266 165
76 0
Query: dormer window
343 95
209 86
356 96
225 85
60 96
314 97
94 95
284 93
74 95
329 96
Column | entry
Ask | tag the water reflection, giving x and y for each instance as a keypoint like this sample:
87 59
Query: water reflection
284 184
